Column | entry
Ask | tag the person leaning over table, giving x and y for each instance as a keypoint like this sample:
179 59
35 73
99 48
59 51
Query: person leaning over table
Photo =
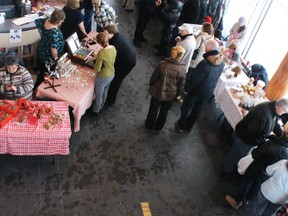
273 193
125 53
74 20
253 130
51 44
104 67
15 80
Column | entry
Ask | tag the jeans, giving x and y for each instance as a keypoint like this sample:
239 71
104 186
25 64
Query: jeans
238 150
261 203
88 20
101 91
154 119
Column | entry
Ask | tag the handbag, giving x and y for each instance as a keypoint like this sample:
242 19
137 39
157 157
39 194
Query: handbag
196 51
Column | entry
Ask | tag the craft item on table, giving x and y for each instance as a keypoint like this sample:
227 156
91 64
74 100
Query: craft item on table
22 103
237 70
13 110
32 120
4 119
249 87
54 120
246 102
259 92
64 66
4 104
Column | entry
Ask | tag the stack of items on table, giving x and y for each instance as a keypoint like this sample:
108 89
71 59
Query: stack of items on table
249 94
30 111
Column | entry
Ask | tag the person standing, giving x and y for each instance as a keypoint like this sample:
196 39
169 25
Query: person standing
51 44
274 192
88 14
104 14
74 21
171 10
104 67
188 42
200 86
166 82
238 31
205 35
147 9
270 152
125 59
253 130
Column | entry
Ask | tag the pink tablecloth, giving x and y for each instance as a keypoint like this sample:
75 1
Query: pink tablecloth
78 95
26 139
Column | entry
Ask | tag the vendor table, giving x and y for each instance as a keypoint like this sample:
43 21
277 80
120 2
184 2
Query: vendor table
224 82
26 139
77 90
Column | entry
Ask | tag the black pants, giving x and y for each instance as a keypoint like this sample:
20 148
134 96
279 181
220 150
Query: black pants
190 110
143 19
40 77
120 74
154 119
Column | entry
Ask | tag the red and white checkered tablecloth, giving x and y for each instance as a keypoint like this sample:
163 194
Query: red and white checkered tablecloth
25 139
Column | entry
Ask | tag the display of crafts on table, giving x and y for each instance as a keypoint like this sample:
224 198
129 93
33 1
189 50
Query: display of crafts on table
23 112
249 95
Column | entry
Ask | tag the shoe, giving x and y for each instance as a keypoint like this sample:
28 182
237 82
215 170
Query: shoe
178 128
232 202
161 54
137 43
129 10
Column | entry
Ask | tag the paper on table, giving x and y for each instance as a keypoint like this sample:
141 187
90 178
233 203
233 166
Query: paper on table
21 21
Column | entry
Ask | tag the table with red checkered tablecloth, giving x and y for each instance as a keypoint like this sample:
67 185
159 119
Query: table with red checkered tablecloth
21 138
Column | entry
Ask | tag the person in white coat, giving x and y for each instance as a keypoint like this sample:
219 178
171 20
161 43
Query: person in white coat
187 41
274 192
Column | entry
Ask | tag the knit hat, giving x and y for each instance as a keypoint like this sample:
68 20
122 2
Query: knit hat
177 52
186 27
242 21
211 45
208 19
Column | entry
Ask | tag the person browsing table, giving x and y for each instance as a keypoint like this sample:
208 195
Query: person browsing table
104 67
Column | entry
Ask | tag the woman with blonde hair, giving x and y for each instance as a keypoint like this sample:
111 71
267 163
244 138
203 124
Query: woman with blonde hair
166 82
74 21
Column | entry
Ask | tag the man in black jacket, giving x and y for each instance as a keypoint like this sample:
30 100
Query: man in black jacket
254 129
200 86
272 151
125 59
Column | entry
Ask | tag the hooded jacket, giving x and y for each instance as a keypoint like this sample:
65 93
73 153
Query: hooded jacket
167 80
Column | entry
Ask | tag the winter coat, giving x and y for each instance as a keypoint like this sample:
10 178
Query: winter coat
201 40
258 72
167 80
171 11
257 125
270 152
205 76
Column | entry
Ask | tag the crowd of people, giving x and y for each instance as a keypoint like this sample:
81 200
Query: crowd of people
190 71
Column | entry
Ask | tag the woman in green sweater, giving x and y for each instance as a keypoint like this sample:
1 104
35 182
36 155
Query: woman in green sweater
104 68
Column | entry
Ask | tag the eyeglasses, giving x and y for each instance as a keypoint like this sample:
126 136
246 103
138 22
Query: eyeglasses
285 110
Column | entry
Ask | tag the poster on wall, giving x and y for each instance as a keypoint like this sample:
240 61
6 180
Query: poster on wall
15 35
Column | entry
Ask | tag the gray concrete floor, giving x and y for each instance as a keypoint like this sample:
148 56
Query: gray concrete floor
115 162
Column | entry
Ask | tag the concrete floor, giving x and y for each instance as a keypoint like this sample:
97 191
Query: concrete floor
115 162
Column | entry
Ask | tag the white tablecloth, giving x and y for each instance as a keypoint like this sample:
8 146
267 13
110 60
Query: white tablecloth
224 82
